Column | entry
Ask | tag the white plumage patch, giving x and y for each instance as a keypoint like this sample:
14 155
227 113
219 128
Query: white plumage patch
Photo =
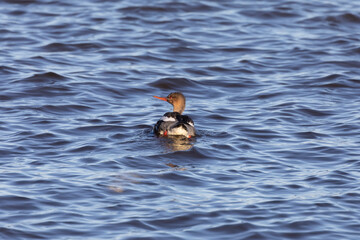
178 131
168 119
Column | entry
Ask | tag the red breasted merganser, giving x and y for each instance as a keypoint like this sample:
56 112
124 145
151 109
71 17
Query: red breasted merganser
173 123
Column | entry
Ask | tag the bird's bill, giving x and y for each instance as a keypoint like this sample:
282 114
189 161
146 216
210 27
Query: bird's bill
161 98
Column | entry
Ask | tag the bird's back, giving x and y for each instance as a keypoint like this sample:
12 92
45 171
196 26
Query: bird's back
173 123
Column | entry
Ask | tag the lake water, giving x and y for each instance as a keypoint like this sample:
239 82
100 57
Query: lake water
272 86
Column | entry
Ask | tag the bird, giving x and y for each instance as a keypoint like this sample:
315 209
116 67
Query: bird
174 123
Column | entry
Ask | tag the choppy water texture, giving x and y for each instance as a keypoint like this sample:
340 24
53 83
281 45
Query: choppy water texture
273 88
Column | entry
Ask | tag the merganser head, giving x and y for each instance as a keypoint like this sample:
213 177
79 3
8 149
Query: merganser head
177 99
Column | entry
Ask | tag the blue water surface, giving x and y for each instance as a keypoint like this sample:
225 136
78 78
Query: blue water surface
272 86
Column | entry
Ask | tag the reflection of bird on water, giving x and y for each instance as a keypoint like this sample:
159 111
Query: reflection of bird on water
173 123
177 143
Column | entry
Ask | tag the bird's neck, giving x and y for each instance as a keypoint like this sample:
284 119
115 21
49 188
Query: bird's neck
179 108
